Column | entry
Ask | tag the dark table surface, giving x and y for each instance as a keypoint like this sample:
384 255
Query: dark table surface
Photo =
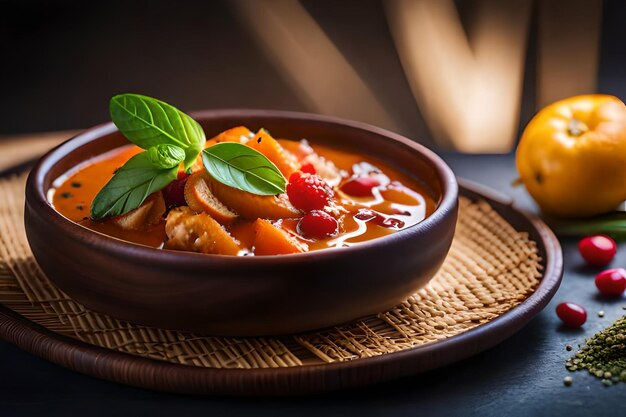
521 376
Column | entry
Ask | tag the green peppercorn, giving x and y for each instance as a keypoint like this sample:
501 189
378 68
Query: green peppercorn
603 355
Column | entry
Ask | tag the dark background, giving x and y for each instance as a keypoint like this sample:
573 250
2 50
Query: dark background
61 61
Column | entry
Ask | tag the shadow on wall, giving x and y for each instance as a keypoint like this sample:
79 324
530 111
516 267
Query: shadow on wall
68 57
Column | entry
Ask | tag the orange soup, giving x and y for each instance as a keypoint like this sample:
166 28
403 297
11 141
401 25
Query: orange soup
333 198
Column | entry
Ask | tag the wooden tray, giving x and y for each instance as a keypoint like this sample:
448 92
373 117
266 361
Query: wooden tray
160 375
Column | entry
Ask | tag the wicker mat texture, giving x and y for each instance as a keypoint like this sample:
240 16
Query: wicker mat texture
490 269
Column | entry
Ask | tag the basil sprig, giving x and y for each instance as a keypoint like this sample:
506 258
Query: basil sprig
130 186
166 156
242 167
171 138
147 122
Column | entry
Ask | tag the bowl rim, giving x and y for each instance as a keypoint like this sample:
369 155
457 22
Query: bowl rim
124 249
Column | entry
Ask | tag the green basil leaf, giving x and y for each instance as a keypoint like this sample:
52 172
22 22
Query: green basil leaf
166 156
148 122
242 167
130 186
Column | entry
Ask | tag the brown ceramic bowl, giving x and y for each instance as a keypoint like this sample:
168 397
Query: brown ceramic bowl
237 296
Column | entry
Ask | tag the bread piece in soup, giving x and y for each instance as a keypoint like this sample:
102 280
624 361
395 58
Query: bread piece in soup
150 212
199 198
189 231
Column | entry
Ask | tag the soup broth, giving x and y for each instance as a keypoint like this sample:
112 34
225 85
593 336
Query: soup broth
368 199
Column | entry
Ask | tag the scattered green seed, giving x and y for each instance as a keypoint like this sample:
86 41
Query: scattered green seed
603 355
568 348
567 381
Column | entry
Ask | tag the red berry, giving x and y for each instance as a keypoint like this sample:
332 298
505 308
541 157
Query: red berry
597 250
360 187
611 282
571 314
308 168
317 225
308 191
174 193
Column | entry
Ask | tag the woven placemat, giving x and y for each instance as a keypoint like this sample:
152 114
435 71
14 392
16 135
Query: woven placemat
490 269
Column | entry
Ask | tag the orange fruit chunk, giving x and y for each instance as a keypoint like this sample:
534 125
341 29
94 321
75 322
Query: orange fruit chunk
252 206
270 240
234 134
268 146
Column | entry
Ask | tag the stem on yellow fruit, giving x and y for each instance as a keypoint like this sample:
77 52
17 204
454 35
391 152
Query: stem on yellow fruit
576 127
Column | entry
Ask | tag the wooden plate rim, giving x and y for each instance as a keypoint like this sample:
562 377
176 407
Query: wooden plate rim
170 377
